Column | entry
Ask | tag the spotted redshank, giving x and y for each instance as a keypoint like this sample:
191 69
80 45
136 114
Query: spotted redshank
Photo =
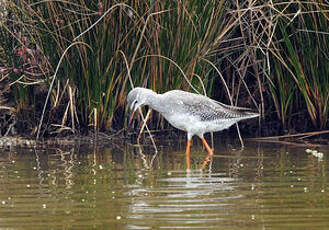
193 113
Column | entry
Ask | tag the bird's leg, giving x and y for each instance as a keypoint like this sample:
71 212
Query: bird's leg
210 153
187 153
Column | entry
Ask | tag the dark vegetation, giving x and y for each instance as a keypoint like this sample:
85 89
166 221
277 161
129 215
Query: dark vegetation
272 56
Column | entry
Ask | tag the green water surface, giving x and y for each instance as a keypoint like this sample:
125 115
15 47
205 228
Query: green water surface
263 186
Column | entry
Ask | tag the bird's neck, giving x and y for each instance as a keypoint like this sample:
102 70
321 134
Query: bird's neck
154 101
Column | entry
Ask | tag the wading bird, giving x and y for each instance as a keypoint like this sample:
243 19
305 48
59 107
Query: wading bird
193 113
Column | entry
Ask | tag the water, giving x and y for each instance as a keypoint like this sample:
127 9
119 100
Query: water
264 186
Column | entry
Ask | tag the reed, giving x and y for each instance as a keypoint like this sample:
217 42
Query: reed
270 56
302 62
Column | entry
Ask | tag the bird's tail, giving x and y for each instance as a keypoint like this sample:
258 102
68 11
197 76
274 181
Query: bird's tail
248 114
239 112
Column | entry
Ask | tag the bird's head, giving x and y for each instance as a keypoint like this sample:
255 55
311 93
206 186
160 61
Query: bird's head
136 98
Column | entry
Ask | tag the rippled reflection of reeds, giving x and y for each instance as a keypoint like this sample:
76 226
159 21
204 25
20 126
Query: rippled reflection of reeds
119 188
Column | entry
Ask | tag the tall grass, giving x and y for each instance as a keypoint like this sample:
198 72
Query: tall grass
301 62
251 53
158 39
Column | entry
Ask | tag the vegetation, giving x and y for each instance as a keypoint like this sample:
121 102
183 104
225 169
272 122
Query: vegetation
271 56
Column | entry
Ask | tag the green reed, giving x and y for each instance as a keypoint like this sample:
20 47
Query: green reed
303 63
250 53
160 43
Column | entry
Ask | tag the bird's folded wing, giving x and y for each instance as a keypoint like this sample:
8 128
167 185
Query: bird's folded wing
210 111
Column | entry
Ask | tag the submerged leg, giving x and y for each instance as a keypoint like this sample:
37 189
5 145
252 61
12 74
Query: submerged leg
210 153
187 153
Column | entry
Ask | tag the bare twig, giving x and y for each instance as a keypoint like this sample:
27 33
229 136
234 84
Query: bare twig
307 134
101 18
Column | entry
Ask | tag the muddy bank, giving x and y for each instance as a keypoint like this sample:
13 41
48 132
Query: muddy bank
98 140
229 137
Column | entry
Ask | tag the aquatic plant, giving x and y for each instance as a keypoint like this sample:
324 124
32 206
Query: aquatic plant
301 62
258 54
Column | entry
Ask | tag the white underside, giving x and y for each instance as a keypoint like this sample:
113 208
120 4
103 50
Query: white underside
183 122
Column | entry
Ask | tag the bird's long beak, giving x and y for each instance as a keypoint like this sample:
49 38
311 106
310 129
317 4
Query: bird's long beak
131 117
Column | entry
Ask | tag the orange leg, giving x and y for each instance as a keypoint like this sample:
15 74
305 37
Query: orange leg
210 153
187 153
